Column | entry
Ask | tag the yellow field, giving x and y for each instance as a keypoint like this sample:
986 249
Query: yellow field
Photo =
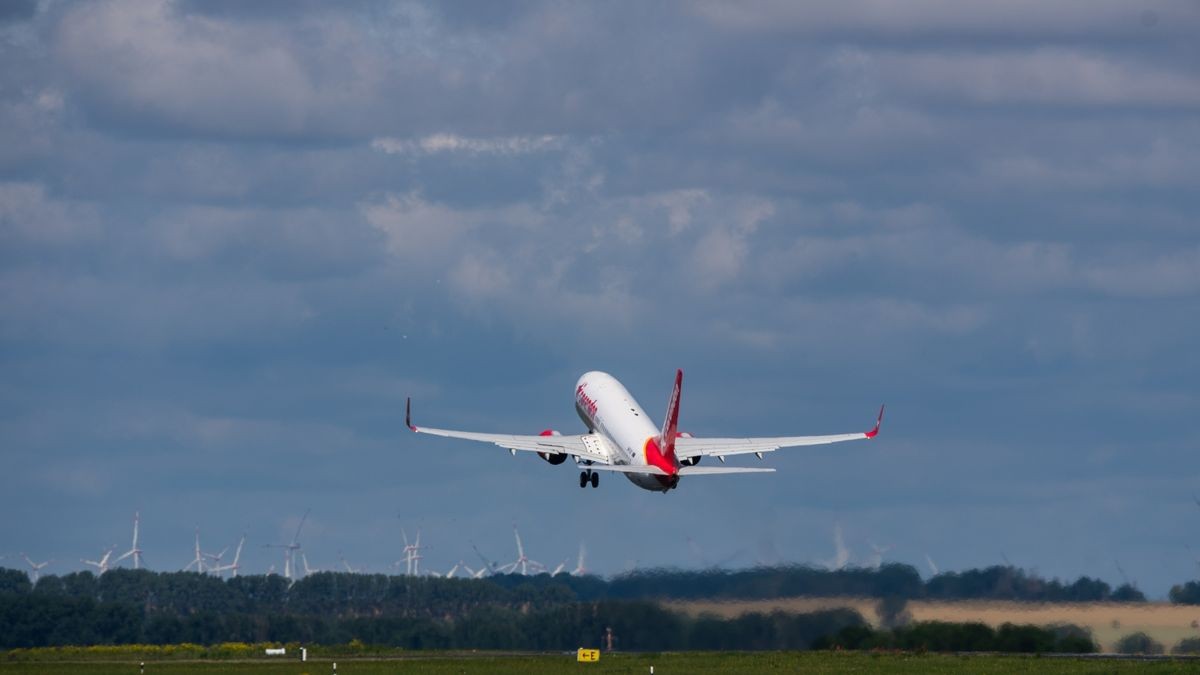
1108 622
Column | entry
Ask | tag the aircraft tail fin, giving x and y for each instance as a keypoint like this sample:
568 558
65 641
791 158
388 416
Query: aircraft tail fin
670 428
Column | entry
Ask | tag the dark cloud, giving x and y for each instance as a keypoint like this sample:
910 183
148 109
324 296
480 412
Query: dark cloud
236 236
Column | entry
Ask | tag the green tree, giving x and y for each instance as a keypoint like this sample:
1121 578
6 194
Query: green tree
1186 594
893 611
1138 643
1128 593
1187 646
14 581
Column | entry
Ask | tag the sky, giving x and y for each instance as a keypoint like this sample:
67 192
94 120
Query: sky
234 237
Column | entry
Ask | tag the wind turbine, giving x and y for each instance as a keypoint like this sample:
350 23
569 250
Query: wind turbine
134 550
233 567
351 570
522 562
841 553
1124 577
412 554
198 561
307 570
489 567
35 568
580 570
101 565
877 554
476 574
215 558
289 550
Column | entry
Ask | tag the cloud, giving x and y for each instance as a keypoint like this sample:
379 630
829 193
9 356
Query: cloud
451 143
283 243
1136 274
479 279
680 205
719 255
933 19
421 232
256 228
142 58
1046 76
78 478
28 216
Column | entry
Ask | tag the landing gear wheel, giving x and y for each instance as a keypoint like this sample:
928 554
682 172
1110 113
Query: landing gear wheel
595 479
583 479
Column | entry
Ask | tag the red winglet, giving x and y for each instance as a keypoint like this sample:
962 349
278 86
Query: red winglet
408 414
875 432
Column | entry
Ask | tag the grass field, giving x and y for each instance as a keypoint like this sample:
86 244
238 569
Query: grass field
664 664
1108 622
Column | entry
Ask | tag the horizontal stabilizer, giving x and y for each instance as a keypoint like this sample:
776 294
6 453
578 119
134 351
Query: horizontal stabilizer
702 470
629 468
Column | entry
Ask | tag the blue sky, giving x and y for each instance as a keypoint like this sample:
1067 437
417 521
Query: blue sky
237 235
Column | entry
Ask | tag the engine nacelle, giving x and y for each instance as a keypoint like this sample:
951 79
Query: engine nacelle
554 458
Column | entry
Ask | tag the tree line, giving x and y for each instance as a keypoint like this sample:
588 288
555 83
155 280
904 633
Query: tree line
890 580
941 636
1185 594
336 593
500 612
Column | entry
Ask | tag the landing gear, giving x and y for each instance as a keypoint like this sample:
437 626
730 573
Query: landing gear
583 478
589 476
595 479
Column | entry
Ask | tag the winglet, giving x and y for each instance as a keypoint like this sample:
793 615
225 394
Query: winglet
408 414
870 434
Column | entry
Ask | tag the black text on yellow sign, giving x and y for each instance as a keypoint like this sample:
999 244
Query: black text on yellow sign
589 655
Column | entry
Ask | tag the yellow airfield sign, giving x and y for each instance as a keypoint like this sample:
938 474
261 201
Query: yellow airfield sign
588 655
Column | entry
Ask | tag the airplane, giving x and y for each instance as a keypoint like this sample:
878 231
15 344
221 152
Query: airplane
621 438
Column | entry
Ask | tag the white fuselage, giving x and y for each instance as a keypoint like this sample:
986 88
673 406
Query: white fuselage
608 409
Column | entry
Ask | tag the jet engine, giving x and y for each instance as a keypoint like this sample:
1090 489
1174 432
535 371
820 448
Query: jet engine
554 458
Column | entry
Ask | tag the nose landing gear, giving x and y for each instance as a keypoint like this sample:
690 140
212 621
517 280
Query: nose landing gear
589 476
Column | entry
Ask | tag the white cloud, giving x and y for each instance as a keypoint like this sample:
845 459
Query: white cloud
184 68
156 64
421 230
680 204
453 143
719 254
417 230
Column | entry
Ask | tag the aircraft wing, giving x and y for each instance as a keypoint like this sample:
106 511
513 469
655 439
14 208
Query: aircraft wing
686 447
583 446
